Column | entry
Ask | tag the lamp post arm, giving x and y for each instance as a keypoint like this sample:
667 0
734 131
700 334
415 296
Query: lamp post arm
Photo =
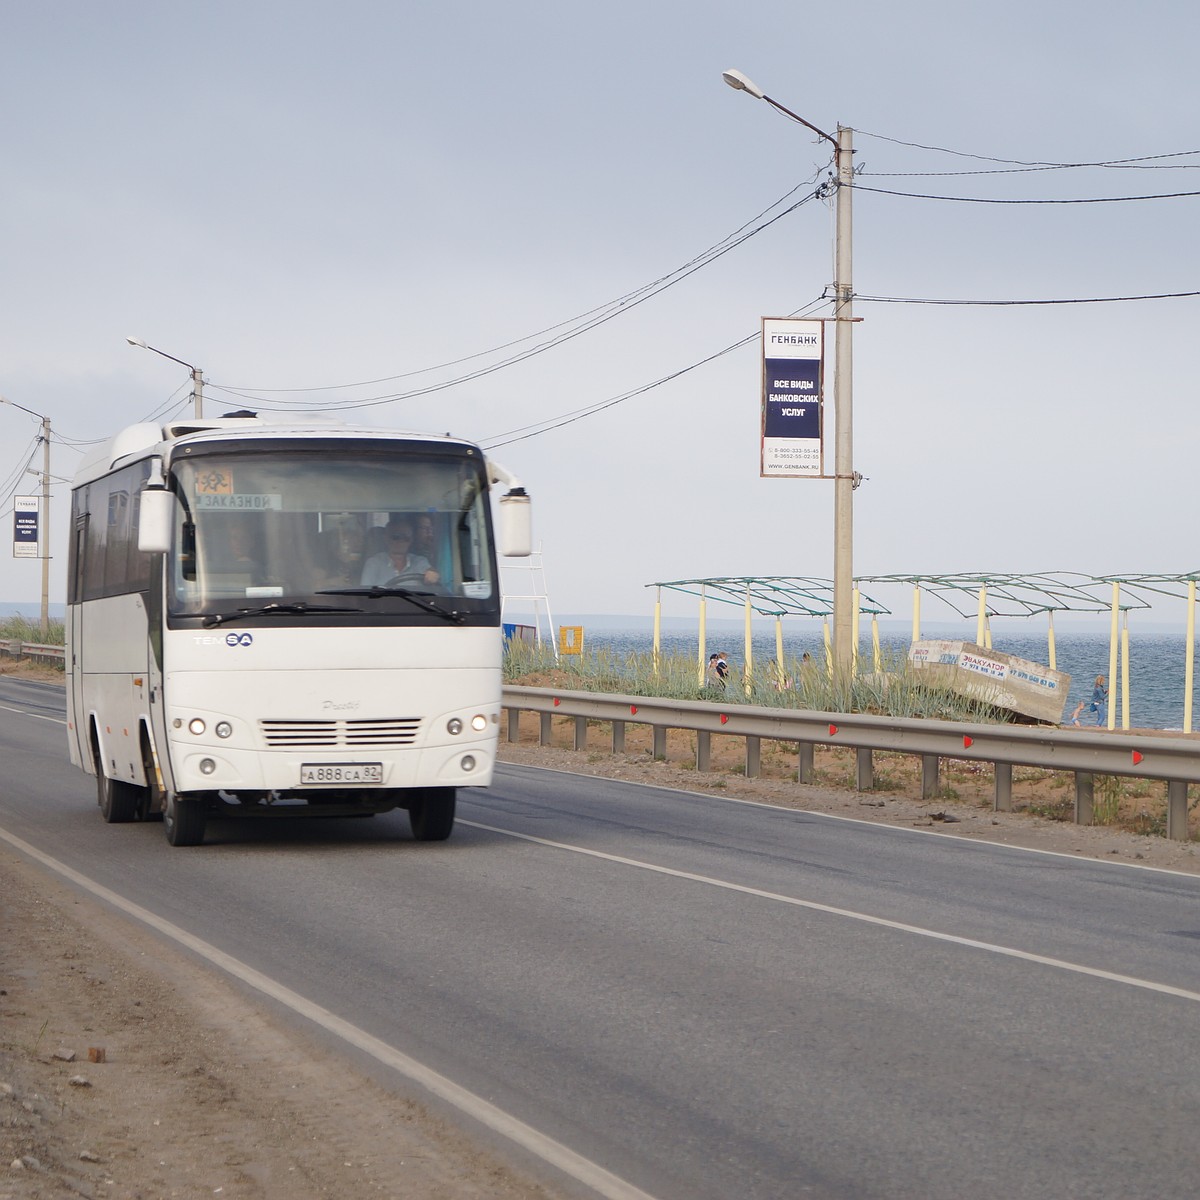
155 350
787 112
14 404
197 374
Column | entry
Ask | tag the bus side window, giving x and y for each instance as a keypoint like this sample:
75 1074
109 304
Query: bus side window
78 549
467 550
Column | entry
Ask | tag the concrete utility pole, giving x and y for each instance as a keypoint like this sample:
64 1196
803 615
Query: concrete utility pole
44 535
198 392
845 479
843 399
197 373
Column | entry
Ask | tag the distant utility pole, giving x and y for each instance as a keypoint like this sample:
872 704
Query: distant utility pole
43 527
44 533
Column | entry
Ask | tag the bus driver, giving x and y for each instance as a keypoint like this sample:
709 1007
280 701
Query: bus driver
395 566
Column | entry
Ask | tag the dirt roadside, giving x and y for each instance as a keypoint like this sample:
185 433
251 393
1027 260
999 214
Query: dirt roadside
202 1092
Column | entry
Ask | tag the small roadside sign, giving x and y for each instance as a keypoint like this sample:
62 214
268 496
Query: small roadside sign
570 639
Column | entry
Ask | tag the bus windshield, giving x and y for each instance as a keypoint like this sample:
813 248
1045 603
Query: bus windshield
370 526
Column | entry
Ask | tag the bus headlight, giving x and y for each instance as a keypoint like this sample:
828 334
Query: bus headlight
196 726
455 726
207 766
468 762
223 729
479 722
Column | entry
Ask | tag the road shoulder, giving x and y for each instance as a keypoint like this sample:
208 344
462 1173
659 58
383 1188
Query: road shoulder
201 1091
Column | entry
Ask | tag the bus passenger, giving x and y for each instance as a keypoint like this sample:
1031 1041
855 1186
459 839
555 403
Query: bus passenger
239 555
344 557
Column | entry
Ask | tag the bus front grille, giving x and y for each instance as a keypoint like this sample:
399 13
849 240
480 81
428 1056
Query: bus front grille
394 731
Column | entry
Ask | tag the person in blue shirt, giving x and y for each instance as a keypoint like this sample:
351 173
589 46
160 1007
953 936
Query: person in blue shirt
1099 704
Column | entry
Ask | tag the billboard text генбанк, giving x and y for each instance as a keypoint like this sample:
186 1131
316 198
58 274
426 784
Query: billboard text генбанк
793 377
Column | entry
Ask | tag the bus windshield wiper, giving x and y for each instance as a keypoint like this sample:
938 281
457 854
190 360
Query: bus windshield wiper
376 592
270 610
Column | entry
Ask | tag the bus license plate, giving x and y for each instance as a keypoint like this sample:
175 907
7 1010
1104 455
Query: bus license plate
336 773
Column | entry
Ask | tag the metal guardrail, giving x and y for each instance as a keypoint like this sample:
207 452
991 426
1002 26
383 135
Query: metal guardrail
1176 761
17 649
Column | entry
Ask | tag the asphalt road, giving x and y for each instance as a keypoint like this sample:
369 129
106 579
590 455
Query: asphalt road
707 998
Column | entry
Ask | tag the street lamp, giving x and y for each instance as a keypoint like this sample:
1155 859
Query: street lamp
44 523
845 480
197 374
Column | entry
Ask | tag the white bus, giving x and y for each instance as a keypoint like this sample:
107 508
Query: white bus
268 618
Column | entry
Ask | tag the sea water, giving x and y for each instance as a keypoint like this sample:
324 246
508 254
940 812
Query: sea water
1156 662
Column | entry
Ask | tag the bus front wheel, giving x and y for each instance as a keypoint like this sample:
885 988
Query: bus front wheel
183 820
431 814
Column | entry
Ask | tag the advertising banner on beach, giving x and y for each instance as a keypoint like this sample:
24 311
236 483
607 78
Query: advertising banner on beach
793 379
993 677
26 514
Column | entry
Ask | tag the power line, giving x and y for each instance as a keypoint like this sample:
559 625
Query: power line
1003 303
573 328
172 404
1138 163
537 428
10 485
1026 170
858 187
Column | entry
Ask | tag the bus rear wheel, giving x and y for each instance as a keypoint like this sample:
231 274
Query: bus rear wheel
183 820
119 801
431 814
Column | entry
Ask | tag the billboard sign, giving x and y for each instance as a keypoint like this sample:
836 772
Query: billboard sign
26 523
793 379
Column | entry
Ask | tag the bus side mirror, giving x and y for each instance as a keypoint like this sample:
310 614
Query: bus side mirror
516 524
156 518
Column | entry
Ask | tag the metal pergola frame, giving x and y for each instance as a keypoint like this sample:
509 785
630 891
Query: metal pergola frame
775 596
994 594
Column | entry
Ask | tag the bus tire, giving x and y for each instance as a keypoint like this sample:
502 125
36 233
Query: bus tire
431 814
184 820
119 801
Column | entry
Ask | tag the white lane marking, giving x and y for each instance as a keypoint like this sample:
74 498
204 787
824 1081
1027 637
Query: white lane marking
590 1174
941 834
26 713
866 918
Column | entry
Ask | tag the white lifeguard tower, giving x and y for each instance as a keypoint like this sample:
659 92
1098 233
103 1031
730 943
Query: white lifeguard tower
523 582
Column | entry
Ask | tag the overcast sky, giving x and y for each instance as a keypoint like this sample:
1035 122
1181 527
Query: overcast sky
303 195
